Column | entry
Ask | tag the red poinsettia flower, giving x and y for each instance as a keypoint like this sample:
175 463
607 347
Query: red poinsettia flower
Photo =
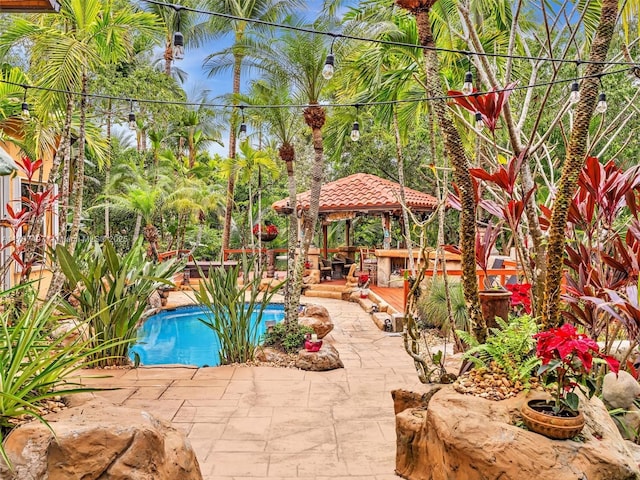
268 229
567 359
520 297
489 104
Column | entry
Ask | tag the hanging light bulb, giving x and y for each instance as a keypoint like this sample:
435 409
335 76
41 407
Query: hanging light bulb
355 132
25 105
328 70
242 135
178 46
479 122
574 96
601 107
467 86
132 117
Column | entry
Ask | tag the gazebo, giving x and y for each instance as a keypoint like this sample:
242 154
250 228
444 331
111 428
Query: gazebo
360 194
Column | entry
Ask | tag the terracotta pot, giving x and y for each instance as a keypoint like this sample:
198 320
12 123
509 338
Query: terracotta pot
495 303
551 426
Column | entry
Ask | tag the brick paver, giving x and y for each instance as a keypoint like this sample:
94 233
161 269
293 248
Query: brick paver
251 423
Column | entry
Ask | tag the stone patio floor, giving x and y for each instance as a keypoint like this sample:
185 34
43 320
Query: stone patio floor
278 423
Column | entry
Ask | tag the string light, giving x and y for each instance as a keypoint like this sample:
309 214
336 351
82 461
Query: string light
242 136
385 42
132 116
178 38
479 122
150 101
328 70
574 96
467 86
355 130
25 105
601 107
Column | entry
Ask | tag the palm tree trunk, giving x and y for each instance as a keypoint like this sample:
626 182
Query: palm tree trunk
107 230
231 181
136 228
292 295
458 158
168 56
78 184
574 162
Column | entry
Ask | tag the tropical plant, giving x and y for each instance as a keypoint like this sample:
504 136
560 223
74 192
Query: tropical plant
432 306
36 361
233 311
567 358
111 293
288 338
510 347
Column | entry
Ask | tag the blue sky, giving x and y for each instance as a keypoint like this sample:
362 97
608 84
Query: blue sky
221 84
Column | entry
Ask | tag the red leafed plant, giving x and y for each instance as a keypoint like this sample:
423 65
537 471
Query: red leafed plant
267 229
521 296
489 104
567 359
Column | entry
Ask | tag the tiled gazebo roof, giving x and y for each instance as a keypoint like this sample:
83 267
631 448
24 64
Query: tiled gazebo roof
364 193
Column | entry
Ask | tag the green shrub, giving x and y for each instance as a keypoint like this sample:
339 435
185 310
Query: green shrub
111 291
432 306
511 347
228 308
35 361
288 338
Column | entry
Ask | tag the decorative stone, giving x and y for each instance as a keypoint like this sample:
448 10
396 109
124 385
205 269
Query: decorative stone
619 391
269 284
327 358
155 300
98 441
317 317
463 436
271 355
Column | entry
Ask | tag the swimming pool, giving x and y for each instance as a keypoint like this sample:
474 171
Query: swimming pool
178 337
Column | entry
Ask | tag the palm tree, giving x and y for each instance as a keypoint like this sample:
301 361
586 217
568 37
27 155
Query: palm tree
269 10
300 57
576 155
66 49
457 157
283 123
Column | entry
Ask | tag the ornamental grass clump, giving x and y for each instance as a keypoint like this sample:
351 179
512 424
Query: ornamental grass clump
567 360
229 308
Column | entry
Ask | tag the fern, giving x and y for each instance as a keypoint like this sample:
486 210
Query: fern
510 347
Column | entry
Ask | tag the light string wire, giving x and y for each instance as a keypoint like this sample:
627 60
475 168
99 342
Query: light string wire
382 41
306 105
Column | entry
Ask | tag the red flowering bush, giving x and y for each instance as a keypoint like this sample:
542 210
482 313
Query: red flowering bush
567 358
521 298
268 229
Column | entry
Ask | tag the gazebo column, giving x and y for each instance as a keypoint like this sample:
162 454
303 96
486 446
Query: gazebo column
325 240
386 229
347 233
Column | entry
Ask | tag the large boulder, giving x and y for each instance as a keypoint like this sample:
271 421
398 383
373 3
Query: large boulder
317 317
96 441
457 436
327 358
620 391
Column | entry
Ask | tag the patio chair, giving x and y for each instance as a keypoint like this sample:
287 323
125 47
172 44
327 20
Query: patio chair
325 268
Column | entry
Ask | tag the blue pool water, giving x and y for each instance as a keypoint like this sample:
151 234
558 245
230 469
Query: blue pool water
178 337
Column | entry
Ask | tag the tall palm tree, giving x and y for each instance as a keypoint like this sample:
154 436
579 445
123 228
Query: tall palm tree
269 10
576 155
300 57
284 125
457 157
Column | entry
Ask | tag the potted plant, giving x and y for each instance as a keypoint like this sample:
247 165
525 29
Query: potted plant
266 232
567 359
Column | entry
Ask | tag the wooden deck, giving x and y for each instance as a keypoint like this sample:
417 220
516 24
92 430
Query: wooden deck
393 296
